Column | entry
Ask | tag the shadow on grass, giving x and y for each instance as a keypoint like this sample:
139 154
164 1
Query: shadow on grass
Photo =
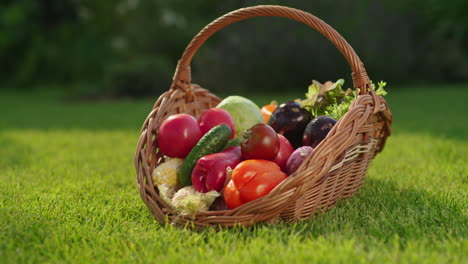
380 212
382 209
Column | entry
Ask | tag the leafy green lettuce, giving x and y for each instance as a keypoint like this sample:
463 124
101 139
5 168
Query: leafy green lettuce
331 100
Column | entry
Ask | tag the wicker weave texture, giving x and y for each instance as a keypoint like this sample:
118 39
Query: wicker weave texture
336 168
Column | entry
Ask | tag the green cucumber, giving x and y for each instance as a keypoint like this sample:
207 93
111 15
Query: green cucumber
233 143
212 142
243 137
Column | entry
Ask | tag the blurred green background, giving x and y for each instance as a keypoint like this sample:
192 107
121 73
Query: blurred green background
129 48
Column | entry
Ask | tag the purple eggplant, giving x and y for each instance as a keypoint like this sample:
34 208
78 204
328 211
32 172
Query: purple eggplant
290 120
317 130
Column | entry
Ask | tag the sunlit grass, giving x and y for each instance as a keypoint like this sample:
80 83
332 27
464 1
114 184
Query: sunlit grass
68 192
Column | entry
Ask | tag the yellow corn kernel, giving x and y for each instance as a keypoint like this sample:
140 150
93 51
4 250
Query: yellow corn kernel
166 173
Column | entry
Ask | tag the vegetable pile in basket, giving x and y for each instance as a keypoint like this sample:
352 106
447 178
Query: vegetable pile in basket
236 153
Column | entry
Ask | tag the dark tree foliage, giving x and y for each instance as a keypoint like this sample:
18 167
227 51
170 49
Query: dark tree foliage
131 47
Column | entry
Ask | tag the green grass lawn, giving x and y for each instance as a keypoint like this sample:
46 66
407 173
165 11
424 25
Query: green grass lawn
68 192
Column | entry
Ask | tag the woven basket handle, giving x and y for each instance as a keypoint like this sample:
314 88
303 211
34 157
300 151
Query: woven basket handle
182 77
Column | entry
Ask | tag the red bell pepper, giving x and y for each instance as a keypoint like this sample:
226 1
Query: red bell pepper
210 172
252 179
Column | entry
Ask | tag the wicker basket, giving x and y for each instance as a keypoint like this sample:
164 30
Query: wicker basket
335 170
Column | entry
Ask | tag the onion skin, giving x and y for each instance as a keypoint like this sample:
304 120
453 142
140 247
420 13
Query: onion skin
296 158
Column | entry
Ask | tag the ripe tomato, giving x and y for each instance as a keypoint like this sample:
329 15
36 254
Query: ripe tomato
261 143
214 117
285 151
178 134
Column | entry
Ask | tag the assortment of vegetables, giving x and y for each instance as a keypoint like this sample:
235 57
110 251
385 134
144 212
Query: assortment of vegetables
236 153
212 142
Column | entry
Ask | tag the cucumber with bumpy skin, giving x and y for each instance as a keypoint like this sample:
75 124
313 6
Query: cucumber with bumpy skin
212 142
233 143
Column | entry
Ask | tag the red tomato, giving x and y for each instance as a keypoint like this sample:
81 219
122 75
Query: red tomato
251 179
285 151
262 143
214 117
178 134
